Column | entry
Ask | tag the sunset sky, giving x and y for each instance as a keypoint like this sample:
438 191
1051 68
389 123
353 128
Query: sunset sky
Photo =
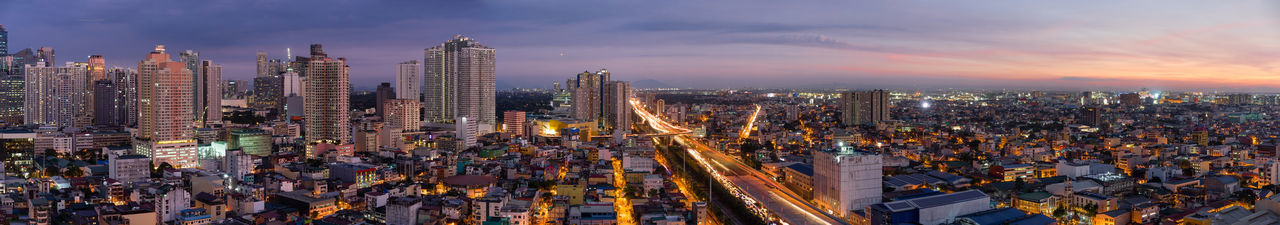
1068 45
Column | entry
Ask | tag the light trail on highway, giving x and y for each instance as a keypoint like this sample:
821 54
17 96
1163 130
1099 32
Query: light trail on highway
751 186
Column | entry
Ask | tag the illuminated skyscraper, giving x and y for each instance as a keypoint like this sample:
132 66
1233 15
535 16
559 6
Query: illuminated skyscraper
328 90
165 129
459 82
104 98
864 107
12 94
56 95
409 80
97 68
211 98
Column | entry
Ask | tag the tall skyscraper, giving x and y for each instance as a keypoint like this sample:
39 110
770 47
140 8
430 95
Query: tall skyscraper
513 122
125 82
4 41
409 80
97 71
211 98
104 108
56 95
292 83
192 60
617 111
328 90
12 95
165 130
864 107
845 179
263 69
384 93
459 82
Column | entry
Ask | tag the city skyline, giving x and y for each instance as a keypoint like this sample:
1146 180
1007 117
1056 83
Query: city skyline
1068 46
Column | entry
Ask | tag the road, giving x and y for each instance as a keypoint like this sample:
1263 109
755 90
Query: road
757 190
751 122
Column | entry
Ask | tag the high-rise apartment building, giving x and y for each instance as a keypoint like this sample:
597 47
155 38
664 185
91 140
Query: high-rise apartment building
211 96
125 82
846 179
384 93
328 95
12 96
165 129
459 82
56 95
403 114
617 111
864 107
513 122
588 96
409 80
263 68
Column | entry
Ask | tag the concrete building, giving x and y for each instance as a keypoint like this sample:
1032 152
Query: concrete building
266 93
252 142
328 96
931 210
165 132
169 201
384 92
56 95
513 122
261 61
210 94
846 179
403 114
459 82
125 82
192 61
617 108
128 168
409 80
237 164
864 107
403 210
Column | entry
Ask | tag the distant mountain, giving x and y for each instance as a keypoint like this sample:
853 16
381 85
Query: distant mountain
649 84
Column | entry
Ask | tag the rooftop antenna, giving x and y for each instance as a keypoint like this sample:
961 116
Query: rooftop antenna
288 53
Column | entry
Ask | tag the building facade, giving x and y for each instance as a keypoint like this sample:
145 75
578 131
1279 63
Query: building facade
846 179
55 95
165 125
328 95
864 107
459 82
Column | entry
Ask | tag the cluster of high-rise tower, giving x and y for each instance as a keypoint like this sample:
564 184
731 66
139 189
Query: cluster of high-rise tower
164 102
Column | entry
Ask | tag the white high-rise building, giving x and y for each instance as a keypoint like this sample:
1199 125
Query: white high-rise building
459 82
846 179
166 131
617 109
466 132
56 95
409 80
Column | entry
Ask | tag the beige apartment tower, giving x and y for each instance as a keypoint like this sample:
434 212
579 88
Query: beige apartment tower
166 130
328 93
